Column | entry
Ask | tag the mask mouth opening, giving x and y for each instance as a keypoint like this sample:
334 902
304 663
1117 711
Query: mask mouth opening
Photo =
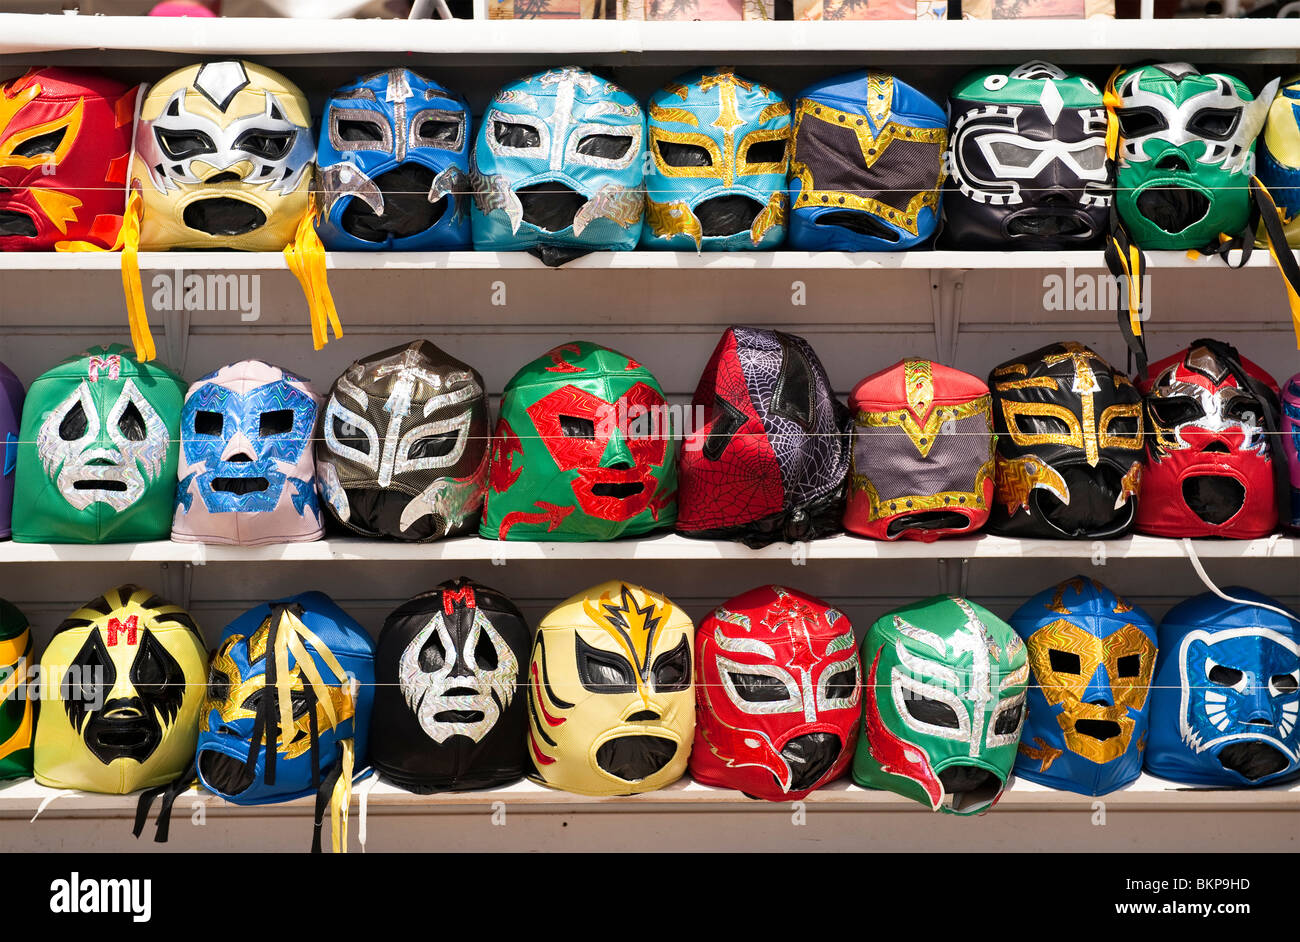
809 757
967 787
1051 223
122 730
929 520
1092 493
223 216
224 773
549 205
863 224
1097 729
1253 760
240 486
14 223
621 491
1215 498
407 210
97 484
458 716
1173 208
727 215
634 758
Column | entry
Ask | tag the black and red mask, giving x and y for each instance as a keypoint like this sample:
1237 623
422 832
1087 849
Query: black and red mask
770 460
1210 465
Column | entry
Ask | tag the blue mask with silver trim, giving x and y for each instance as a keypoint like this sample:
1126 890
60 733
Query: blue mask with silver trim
558 166
393 166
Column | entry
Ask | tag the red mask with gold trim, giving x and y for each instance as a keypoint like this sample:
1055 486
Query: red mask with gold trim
65 145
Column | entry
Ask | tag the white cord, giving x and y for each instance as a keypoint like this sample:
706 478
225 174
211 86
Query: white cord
363 800
1209 584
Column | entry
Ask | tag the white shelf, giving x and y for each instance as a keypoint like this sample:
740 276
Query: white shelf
665 547
25 797
1238 40
625 261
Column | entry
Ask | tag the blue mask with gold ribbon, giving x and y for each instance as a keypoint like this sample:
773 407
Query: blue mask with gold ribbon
393 166
1092 655
558 166
1227 693
867 165
720 144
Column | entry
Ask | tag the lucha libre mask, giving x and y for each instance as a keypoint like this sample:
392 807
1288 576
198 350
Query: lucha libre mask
97 452
17 714
65 142
11 413
777 685
450 711
1290 427
403 449
584 450
393 165
922 453
867 166
770 461
720 147
1028 161
1225 699
1186 153
558 167
1069 445
1092 655
610 705
943 704
223 159
123 680
1209 455
1279 156
247 475
267 736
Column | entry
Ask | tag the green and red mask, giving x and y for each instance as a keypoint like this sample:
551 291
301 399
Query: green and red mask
943 705
17 716
584 450
97 451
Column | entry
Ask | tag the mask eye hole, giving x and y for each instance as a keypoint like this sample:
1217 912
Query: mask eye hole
606 146
352 129
1283 684
269 145
438 131
276 422
74 424
42 144
727 419
485 653
435 446
932 712
1124 426
603 672
218 686
793 398
1139 122
131 423
510 134
350 436
1008 720
208 423
1225 676
1064 662
683 155
1013 155
575 426
433 655
758 688
1215 123
1172 411
1130 665
672 670
181 144
1243 409
1042 425
840 687
765 152
1091 158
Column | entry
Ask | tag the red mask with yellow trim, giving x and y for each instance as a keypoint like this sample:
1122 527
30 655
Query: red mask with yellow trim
65 146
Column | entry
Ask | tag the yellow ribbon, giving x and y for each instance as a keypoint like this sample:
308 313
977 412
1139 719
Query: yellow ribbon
306 258
1112 101
288 639
341 799
1293 299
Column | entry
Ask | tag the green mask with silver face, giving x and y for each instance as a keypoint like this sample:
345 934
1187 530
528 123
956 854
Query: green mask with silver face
943 705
